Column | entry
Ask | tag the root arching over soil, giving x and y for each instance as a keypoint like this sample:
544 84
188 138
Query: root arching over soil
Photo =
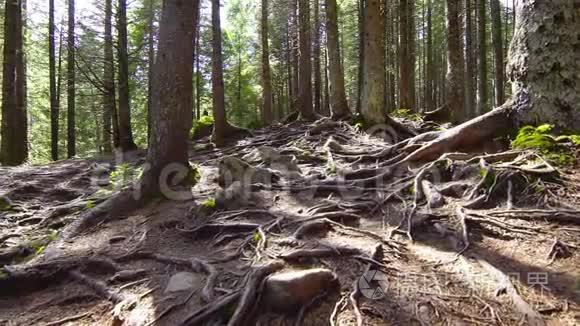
312 223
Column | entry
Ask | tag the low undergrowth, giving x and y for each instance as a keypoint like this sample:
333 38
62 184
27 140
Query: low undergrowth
555 148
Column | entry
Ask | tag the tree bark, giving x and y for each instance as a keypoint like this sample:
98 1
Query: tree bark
404 68
469 62
173 89
316 73
305 68
221 125
497 40
373 88
411 39
108 81
54 104
455 61
266 80
126 142
430 73
482 100
337 95
14 146
71 80
151 62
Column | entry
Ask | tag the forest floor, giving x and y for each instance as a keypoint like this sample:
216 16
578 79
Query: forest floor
485 242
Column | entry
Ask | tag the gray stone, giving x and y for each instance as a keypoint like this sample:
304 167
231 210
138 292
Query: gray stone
183 281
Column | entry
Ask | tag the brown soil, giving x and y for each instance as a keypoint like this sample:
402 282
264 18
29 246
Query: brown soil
433 280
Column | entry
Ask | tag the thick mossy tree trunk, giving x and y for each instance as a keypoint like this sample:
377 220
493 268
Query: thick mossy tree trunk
337 94
173 93
14 147
373 82
545 74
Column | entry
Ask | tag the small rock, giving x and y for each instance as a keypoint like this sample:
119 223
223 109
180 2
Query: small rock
288 291
183 281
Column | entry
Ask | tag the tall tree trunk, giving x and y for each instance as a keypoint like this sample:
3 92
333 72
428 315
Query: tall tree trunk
294 44
482 100
496 36
150 62
266 80
54 104
469 62
14 146
411 39
71 80
404 68
171 110
221 125
125 131
198 79
109 106
305 69
373 91
455 73
338 104
317 77
430 73
361 54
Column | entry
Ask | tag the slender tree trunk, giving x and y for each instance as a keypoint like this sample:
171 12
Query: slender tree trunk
469 62
171 110
294 44
14 146
317 77
221 125
305 69
125 131
108 80
71 80
411 41
150 62
338 104
198 79
54 104
361 56
455 85
266 79
496 36
373 92
404 68
430 73
482 100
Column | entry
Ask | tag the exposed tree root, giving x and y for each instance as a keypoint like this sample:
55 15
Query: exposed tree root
99 287
301 254
68 319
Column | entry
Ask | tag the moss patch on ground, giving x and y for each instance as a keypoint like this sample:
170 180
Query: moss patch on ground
555 148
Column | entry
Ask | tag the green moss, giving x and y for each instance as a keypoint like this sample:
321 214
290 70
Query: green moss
550 146
3 274
256 237
194 175
209 203
199 125
90 204
5 204
406 114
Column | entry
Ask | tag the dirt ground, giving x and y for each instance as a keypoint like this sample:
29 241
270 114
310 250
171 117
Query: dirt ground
489 267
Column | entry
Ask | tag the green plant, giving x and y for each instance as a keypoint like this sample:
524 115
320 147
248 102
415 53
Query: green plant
209 203
124 175
90 204
549 145
194 175
203 123
406 114
5 204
